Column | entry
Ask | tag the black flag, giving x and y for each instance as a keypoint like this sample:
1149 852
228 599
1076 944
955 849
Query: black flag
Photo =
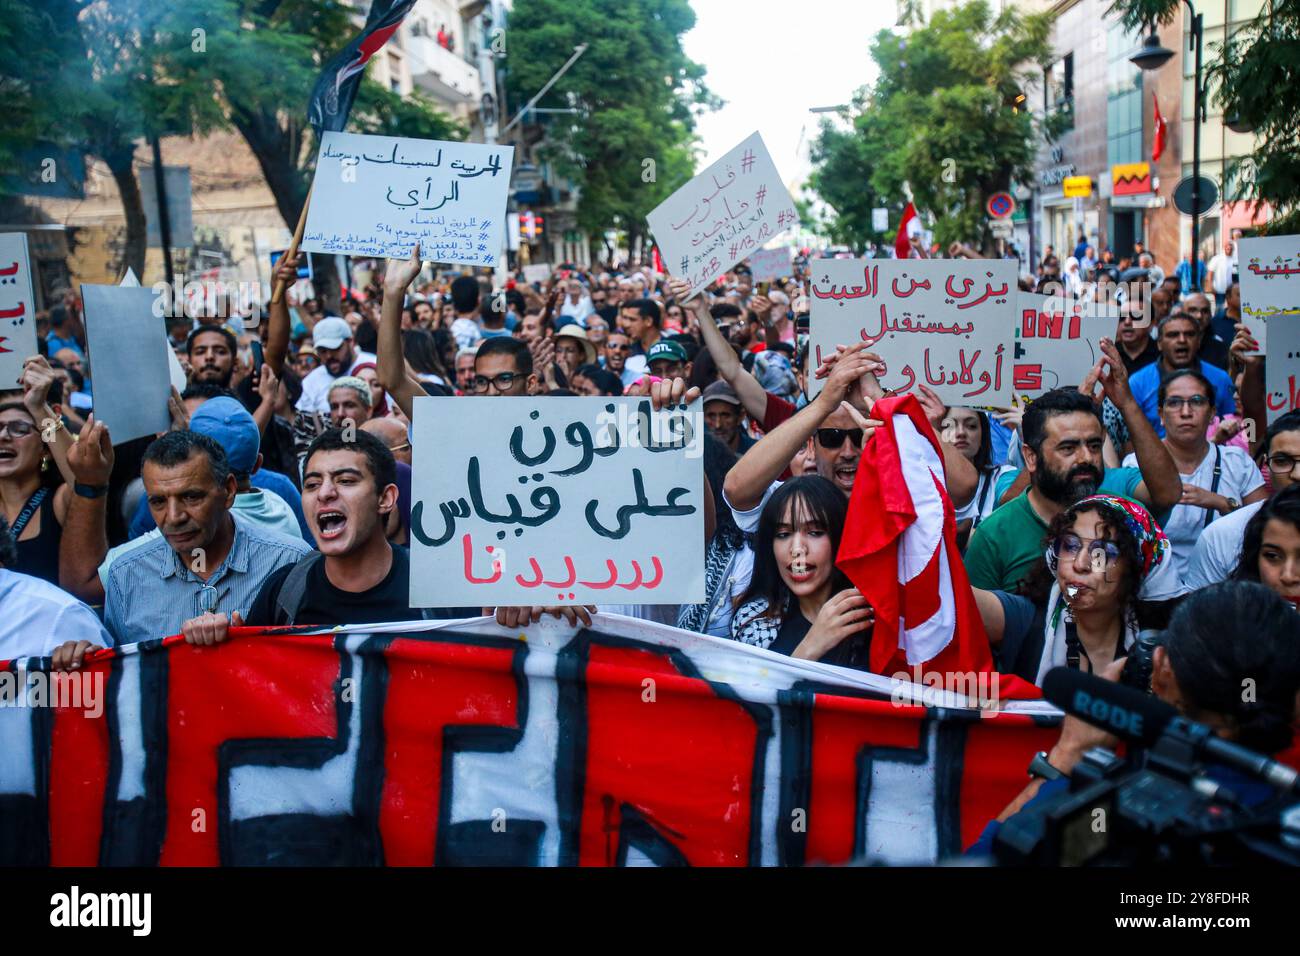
331 100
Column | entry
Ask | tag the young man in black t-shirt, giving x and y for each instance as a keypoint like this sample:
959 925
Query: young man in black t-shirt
356 577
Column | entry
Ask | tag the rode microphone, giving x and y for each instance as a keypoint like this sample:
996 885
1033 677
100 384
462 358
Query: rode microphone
1147 721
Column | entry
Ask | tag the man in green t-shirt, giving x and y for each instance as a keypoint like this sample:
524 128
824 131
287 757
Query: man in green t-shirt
1062 438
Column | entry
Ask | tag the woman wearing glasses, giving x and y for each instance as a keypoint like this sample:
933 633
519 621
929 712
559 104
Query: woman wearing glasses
33 495
1217 479
1083 604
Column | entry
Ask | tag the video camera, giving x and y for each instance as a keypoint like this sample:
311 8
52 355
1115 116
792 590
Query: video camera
1163 805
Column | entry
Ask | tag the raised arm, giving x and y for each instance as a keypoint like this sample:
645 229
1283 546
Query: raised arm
84 541
1253 407
750 477
390 364
277 320
1162 486
751 394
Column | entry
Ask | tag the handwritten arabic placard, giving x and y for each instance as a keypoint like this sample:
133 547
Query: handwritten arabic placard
945 323
379 195
556 501
129 347
769 264
1282 366
1270 282
723 215
17 307
1058 341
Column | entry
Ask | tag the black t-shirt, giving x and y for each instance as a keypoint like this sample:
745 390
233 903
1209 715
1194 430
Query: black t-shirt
794 628
853 651
326 605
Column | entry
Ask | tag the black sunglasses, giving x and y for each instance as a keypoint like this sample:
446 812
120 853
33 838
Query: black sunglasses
834 437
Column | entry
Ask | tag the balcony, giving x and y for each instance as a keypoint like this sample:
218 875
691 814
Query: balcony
444 75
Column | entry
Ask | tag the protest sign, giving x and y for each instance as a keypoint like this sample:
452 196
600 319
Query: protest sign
945 323
769 264
614 510
1270 282
723 215
129 348
537 273
1282 366
17 307
459 743
379 195
1058 341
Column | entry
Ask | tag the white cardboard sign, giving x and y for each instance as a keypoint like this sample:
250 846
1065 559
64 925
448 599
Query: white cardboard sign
723 215
1057 341
1282 366
769 264
17 308
379 195
945 323
545 501
1270 282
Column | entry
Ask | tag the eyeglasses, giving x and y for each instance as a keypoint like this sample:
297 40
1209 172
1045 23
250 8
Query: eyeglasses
1175 404
1069 545
500 382
834 437
1282 464
17 428
402 447
618 348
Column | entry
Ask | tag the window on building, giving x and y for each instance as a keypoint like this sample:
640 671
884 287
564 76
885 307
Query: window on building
1123 98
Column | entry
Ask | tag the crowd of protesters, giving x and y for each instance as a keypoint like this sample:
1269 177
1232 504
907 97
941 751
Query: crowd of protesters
282 492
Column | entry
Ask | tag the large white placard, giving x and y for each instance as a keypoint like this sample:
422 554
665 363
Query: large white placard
1270 282
723 215
1058 341
769 264
379 195
1282 366
17 307
524 501
128 355
945 323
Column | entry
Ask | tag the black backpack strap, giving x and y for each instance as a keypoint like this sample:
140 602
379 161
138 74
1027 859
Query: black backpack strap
1214 487
294 587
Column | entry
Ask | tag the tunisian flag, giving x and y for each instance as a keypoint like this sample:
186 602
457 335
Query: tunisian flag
900 550
1159 134
903 248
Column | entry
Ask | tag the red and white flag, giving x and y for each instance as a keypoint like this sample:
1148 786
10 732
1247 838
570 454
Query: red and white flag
900 550
1160 132
902 242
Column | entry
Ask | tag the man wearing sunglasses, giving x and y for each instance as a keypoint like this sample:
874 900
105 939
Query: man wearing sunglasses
839 432
1219 547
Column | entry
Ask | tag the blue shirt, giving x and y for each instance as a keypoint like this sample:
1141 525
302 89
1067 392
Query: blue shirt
1184 273
54 343
1145 385
272 481
150 592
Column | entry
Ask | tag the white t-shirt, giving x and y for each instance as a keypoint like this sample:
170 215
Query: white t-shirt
316 386
1219 549
986 496
1221 273
466 332
1186 523
578 310
38 617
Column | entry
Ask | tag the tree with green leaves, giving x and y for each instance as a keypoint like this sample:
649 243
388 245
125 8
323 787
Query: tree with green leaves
942 121
629 145
1247 76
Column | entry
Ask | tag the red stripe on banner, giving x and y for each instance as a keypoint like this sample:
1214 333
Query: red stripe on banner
434 688
281 689
639 737
994 767
79 747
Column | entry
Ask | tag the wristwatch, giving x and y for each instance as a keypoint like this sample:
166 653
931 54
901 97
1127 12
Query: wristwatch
1233 505
90 491
1039 767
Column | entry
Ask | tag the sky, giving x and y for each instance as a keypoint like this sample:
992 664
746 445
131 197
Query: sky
772 61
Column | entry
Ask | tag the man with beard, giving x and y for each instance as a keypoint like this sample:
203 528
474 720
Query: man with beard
1062 440
332 339
211 350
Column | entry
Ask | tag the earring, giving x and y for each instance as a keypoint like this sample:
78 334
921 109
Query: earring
45 463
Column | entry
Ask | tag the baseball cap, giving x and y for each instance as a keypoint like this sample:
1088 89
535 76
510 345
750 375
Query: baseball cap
229 424
330 333
665 349
721 391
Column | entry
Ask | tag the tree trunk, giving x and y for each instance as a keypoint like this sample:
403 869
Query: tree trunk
121 163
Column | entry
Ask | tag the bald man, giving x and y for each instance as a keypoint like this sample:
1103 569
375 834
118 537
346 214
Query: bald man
393 434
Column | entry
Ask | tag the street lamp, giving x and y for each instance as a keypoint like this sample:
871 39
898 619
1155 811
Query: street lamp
1152 56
